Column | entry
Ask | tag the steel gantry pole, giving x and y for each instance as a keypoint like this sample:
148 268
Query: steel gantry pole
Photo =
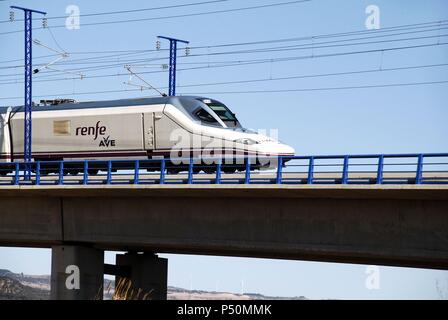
172 68
27 152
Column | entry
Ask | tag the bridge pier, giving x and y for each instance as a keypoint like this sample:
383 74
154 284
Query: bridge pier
77 273
147 278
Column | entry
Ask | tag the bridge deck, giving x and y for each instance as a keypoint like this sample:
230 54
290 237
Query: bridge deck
400 225
428 192
238 178
348 169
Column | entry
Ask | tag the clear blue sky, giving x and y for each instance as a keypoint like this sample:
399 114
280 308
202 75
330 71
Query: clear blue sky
377 120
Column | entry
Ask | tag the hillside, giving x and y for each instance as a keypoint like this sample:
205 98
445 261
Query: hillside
11 289
14 286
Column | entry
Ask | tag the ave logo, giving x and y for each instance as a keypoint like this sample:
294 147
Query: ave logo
107 142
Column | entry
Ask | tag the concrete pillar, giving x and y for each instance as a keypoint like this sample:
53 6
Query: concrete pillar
148 276
76 273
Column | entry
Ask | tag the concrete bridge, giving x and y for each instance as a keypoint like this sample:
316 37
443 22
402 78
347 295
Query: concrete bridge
397 225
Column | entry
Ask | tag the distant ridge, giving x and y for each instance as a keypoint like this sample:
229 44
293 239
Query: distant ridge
16 286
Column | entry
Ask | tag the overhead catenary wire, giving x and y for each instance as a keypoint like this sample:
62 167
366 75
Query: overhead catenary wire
331 74
300 46
260 50
324 88
308 47
176 16
233 62
54 39
143 80
130 11
256 91
351 72
61 55
100 65
255 61
432 24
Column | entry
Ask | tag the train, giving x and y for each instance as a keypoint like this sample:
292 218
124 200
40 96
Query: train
174 128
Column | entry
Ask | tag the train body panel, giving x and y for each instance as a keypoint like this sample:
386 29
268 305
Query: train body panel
130 129
5 141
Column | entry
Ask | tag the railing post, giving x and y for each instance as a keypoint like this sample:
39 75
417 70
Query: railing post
17 174
218 172
38 173
61 173
345 171
311 171
279 170
85 179
109 172
190 171
162 171
136 171
379 175
419 175
247 173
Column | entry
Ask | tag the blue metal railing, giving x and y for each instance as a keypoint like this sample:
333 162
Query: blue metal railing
340 169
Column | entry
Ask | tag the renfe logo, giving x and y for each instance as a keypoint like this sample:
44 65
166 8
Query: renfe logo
97 130
91 131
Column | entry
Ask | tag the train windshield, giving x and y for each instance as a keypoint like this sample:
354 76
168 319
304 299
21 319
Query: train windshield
224 113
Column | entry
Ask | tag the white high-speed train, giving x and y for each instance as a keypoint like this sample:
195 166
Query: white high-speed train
144 128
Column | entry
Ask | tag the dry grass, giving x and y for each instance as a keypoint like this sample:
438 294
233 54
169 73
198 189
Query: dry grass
124 290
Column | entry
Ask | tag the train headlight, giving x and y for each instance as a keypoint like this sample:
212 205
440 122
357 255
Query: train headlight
246 141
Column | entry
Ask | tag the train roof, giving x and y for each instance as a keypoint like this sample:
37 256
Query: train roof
110 103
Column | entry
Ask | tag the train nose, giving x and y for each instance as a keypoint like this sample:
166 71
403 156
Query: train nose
290 150
276 149
284 149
